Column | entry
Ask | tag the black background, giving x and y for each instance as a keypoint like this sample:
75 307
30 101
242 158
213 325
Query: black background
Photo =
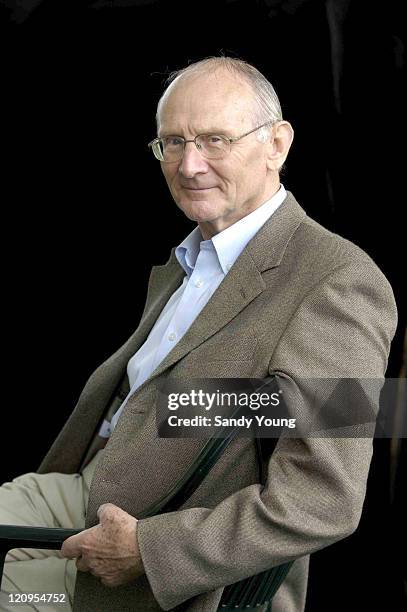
86 213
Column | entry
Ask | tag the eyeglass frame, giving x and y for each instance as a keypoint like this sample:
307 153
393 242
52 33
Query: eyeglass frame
229 139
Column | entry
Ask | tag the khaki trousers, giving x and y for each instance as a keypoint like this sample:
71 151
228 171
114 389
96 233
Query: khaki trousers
43 500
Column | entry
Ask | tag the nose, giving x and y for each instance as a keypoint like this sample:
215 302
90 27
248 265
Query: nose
192 162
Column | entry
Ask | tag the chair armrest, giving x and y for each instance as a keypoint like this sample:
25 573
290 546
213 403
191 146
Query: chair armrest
19 536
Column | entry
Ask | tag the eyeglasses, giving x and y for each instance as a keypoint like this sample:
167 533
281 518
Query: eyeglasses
211 146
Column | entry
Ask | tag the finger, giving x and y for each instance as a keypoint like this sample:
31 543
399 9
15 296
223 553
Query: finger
71 547
109 582
106 509
81 565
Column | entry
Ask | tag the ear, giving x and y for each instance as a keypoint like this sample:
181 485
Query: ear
280 142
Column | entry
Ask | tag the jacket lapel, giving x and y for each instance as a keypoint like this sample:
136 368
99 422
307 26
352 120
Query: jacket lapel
240 286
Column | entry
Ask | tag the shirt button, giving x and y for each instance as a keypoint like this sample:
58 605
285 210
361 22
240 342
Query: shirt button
228 266
198 283
172 336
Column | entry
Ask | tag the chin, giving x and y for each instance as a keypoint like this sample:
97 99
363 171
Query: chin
199 210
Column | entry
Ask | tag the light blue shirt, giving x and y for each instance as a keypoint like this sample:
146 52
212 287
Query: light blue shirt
206 263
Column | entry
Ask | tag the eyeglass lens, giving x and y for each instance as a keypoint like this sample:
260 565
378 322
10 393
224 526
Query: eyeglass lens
211 146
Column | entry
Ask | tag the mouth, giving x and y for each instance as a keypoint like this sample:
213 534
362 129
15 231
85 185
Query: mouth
198 188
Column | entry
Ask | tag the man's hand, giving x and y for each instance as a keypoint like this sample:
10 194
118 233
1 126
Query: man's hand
108 550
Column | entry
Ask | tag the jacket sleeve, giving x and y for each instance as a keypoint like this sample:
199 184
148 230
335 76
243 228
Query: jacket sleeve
316 486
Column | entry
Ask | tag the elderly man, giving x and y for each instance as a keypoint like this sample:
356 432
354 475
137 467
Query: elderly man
256 288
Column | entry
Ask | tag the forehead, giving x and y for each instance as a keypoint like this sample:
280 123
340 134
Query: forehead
200 103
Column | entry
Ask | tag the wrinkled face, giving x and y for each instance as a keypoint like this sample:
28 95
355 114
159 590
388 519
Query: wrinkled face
215 193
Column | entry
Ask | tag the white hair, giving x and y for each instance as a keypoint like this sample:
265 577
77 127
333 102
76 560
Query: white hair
266 105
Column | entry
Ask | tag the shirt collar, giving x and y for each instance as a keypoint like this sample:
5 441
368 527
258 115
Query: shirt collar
231 241
187 252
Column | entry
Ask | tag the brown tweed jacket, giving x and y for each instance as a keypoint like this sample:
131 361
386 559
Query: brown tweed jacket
299 301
